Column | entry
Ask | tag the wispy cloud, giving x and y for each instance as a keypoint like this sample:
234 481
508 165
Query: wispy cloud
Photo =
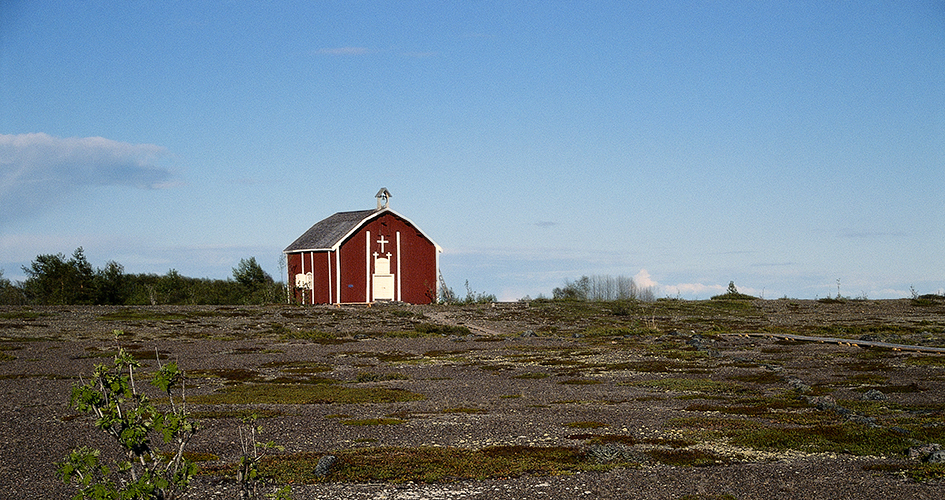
37 170
343 51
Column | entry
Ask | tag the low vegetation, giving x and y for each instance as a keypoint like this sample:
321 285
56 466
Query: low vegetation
431 464
57 280
572 369
318 393
127 416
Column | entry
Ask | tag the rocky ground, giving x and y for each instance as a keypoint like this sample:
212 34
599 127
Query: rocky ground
535 374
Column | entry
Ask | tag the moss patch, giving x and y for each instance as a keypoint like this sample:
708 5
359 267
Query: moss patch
303 394
678 457
427 464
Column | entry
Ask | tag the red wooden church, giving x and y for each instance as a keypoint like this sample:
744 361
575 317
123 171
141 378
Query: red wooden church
364 256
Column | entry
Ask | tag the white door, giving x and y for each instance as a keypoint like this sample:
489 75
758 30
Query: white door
383 280
383 287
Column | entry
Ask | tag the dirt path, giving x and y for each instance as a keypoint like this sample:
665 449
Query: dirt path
446 318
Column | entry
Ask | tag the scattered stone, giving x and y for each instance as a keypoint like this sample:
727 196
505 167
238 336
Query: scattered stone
870 338
799 386
936 457
862 420
697 342
324 465
827 403
874 395
924 451
612 452
529 333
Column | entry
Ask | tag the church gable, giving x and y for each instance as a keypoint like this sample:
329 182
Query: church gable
364 256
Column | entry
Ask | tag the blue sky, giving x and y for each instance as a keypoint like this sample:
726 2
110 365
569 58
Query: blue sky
780 145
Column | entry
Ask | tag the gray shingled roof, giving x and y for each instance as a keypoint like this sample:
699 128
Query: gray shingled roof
326 233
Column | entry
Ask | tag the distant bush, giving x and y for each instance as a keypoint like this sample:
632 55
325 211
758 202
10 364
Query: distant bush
51 279
603 288
929 299
10 294
733 294
448 296
256 285
55 280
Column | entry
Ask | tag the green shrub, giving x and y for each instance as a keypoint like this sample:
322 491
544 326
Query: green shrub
132 421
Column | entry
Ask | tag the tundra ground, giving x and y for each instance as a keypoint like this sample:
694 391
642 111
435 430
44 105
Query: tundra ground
520 400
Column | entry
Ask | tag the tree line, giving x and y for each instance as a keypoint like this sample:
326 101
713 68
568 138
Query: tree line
58 280
603 288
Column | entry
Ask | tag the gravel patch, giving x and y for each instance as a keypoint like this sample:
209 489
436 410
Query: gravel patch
492 369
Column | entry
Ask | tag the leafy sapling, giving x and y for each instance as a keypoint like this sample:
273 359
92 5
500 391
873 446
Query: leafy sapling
247 472
143 471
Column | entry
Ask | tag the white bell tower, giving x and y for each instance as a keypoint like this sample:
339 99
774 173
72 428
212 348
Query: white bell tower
383 198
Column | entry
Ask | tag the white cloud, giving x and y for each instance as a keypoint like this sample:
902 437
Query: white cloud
643 279
37 170
688 290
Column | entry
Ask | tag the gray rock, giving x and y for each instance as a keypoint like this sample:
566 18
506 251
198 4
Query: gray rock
698 342
612 452
874 395
799 386
862 420
936 457
324 465
924 451
529 333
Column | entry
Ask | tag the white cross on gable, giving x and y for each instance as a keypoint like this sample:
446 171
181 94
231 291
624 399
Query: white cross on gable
382 241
